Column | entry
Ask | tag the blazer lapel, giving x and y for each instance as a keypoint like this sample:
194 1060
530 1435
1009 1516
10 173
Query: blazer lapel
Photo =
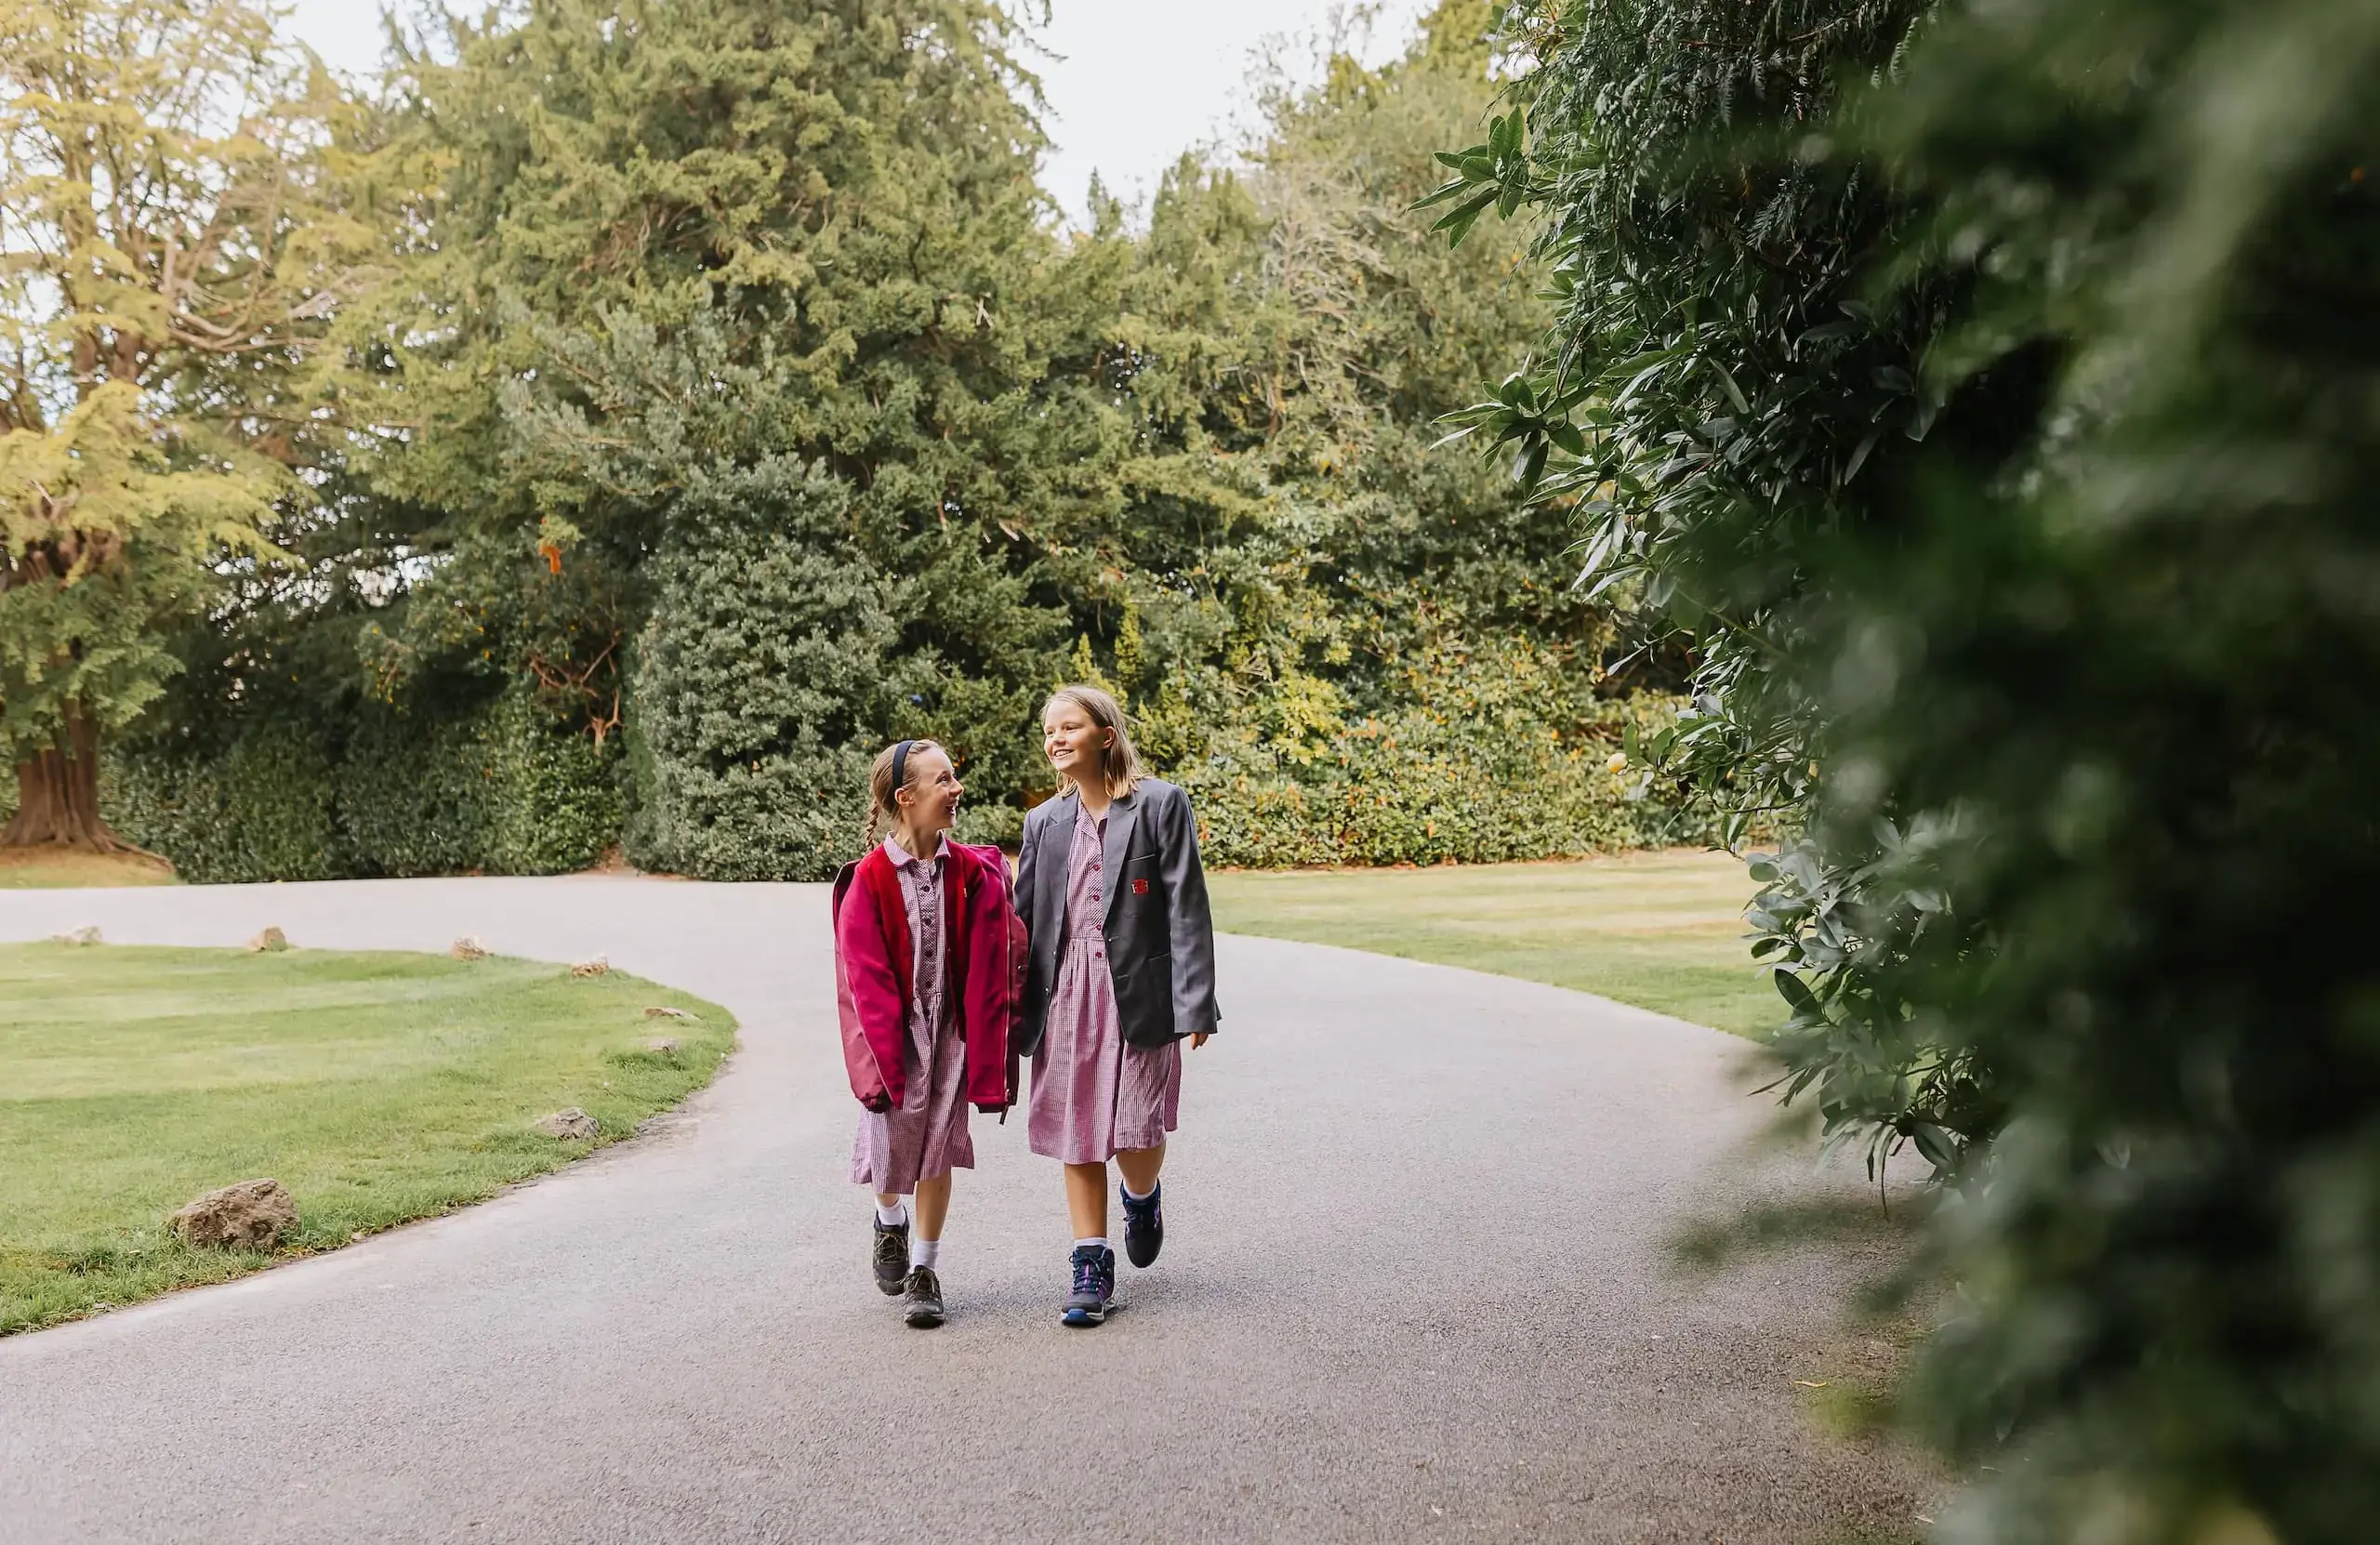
1114 845
1050 886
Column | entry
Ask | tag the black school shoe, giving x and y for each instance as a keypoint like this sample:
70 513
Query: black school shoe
1094 1269
924 1293
891 1257
1143 1226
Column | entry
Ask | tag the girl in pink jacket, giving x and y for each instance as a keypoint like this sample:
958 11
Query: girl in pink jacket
927 953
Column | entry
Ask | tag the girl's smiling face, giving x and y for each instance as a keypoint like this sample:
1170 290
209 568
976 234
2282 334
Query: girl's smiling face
931 800
1074 746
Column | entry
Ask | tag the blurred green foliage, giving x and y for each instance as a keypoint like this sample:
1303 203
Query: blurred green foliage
1993 394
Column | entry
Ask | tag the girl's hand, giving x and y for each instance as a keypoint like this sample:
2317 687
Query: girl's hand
1200 1040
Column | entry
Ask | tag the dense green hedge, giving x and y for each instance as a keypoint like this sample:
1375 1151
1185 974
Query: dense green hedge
502 791
762 684
265 808
1490 749
1492 758
1427 786
499 790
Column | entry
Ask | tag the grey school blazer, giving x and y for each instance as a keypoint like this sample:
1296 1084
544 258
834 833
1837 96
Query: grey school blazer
1160 938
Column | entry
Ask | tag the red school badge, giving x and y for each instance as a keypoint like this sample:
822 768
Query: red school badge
1139 888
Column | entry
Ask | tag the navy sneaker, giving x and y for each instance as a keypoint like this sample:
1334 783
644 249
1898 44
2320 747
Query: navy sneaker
891 1257
924 1292
1143 1225
1095 1268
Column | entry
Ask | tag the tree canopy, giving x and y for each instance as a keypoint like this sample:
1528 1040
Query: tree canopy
708 392
174 241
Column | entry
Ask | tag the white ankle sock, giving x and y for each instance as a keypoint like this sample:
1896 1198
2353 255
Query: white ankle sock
1132 1196
1098 1244
924 1252
893 1216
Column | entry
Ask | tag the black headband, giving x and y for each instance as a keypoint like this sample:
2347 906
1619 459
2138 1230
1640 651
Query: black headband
901 765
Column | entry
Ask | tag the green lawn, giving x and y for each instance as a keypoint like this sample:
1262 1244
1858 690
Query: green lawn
1662 930
378 1088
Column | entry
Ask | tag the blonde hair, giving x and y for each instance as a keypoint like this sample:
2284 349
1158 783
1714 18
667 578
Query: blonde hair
882 806
1119 762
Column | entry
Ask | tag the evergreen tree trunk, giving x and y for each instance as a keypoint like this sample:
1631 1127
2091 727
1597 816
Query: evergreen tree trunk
57 795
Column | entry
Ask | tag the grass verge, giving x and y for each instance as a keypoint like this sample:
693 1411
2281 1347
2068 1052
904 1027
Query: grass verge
1662 930
377 1088
57 867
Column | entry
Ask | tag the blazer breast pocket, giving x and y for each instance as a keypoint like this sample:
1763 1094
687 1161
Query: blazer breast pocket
1139 876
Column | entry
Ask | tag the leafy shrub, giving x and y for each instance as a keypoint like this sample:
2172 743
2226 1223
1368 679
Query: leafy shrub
1489 759
499 789
1003 826
264 809
502 789
764 681
414 795
558 798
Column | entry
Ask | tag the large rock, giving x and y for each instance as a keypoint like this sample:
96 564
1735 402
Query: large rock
252 1215
573 1124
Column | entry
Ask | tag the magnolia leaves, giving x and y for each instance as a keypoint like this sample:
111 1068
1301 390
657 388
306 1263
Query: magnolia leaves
1496 172
1533 417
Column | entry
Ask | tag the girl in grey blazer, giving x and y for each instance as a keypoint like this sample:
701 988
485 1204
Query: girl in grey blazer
1122 969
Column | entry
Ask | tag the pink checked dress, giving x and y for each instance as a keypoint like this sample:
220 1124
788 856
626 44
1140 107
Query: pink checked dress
927 1137
1092 1094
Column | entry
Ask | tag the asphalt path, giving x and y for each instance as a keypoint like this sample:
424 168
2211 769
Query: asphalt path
1416 1285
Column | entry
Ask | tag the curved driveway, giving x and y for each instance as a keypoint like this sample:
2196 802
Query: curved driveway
1415 1286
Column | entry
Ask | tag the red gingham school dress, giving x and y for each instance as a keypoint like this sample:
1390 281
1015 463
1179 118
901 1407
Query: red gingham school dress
1092 1094
927 1137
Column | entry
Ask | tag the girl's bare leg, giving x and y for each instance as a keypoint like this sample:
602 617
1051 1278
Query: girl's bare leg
1087 1188
1087 1199
1139 1167
933 1206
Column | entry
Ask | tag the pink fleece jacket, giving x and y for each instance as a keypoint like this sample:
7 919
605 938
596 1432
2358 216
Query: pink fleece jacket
873 974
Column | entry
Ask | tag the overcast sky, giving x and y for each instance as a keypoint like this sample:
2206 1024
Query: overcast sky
1136 81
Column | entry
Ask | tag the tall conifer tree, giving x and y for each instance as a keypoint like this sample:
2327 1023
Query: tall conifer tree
175 255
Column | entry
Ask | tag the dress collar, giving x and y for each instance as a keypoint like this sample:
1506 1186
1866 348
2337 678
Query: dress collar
903 859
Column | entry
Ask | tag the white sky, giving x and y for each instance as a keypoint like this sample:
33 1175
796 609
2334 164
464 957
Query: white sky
1136 81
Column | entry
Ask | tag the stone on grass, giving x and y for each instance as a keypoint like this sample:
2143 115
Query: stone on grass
662 1046
664 1012
468 949
271 939
597 967
252 1215
87 934
572 1126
